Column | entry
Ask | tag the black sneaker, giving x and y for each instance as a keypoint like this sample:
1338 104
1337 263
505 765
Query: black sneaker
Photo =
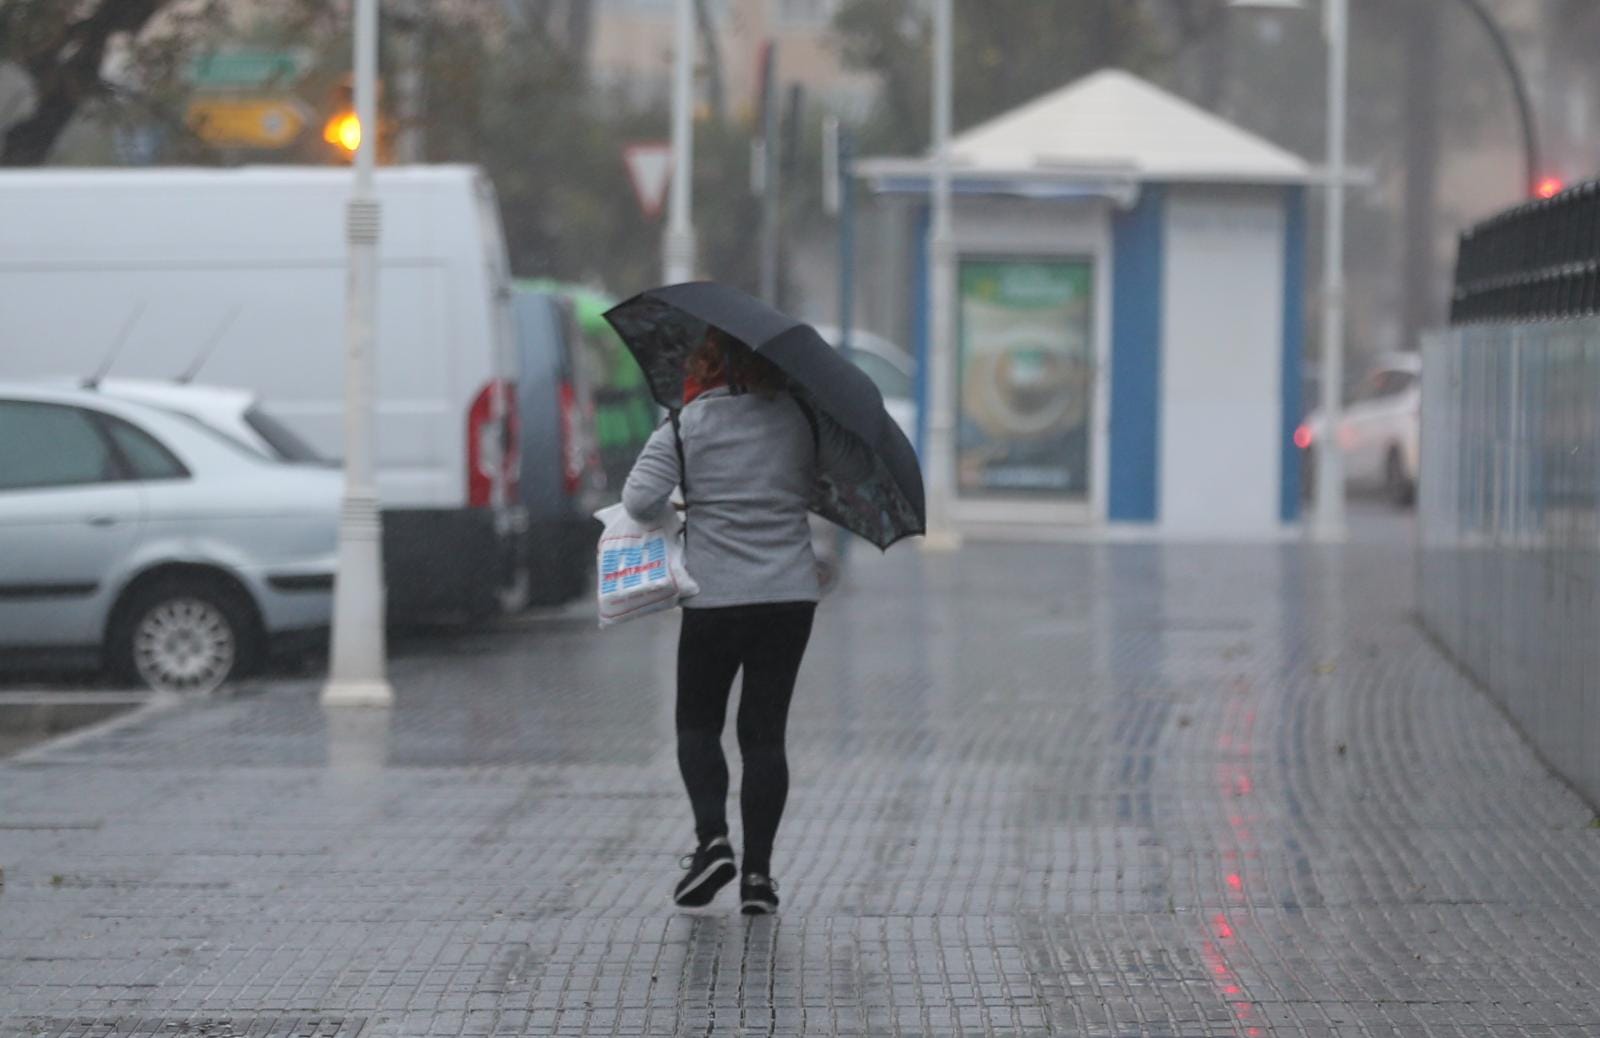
710 869
758 894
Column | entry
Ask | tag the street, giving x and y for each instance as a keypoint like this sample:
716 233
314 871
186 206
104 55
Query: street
1073 789
1224 376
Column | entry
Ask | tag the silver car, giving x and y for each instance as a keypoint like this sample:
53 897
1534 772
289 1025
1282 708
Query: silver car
175 551
891 369
237 412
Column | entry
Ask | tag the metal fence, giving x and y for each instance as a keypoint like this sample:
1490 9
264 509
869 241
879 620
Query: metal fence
1507 510
1537 262
1509 496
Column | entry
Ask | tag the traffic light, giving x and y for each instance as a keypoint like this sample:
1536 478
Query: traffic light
343 128
1549 187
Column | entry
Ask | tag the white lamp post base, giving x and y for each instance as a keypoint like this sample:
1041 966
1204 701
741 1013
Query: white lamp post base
356 676
357 693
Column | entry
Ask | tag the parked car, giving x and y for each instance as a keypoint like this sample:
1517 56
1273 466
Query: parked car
238 276
236 412
1379 431
562 482
625 414
891 369
173 553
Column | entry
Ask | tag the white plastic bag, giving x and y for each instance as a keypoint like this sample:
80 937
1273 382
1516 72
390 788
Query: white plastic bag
640 568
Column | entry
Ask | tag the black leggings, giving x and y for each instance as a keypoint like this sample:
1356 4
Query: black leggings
768 641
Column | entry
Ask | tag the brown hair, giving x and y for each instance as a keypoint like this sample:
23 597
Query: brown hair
722 358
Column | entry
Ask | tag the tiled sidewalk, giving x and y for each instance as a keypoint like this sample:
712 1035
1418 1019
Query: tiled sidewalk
1037 790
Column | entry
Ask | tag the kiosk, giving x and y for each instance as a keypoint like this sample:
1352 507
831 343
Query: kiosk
1129 308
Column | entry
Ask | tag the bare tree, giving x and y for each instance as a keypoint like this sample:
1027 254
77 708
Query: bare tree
62 46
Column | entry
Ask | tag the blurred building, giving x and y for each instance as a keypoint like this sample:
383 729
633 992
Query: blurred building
631 50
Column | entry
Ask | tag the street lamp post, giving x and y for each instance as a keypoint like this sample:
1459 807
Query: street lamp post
939 459
1328 517
678 244
1531 163
1328 520
357 670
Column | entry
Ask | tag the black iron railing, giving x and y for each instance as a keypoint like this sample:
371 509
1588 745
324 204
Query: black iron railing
1537 262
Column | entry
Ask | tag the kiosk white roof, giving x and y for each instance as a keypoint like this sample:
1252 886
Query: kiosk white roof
1109 125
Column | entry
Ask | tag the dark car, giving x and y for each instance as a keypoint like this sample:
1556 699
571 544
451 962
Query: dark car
625 412
562 480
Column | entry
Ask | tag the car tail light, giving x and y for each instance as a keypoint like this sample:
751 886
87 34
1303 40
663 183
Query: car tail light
513 433
573 453
492 431
1302 437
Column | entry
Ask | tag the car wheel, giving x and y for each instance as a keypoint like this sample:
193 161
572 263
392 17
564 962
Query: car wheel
185 635
1400 488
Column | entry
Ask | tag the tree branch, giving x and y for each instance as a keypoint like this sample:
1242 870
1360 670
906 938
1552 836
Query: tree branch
67 75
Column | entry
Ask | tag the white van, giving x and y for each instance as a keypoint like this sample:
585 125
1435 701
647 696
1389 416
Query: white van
237 277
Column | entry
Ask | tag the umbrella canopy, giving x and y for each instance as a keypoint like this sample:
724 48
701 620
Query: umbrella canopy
663 326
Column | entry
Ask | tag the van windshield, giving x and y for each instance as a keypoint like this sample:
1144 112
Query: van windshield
285 443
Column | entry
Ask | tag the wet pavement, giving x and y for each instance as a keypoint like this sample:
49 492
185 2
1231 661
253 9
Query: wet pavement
1040 790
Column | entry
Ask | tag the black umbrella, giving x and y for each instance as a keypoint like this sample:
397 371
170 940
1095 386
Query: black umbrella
663 326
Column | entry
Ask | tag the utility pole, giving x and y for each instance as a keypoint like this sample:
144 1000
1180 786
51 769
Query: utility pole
771 175
843 148
357 675
678 245
1421 286
839 199
939 459
1328 515
1328 518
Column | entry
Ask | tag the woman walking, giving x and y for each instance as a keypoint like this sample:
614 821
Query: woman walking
746 453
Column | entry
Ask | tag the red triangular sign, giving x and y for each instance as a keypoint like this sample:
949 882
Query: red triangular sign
650 169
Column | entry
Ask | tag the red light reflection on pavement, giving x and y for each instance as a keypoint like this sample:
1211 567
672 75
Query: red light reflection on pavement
1236 785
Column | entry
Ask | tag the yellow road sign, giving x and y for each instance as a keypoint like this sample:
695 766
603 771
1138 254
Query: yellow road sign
246 122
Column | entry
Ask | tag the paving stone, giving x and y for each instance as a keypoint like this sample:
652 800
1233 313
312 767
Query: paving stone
1064 790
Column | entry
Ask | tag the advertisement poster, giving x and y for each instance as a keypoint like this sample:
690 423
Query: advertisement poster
1026 378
